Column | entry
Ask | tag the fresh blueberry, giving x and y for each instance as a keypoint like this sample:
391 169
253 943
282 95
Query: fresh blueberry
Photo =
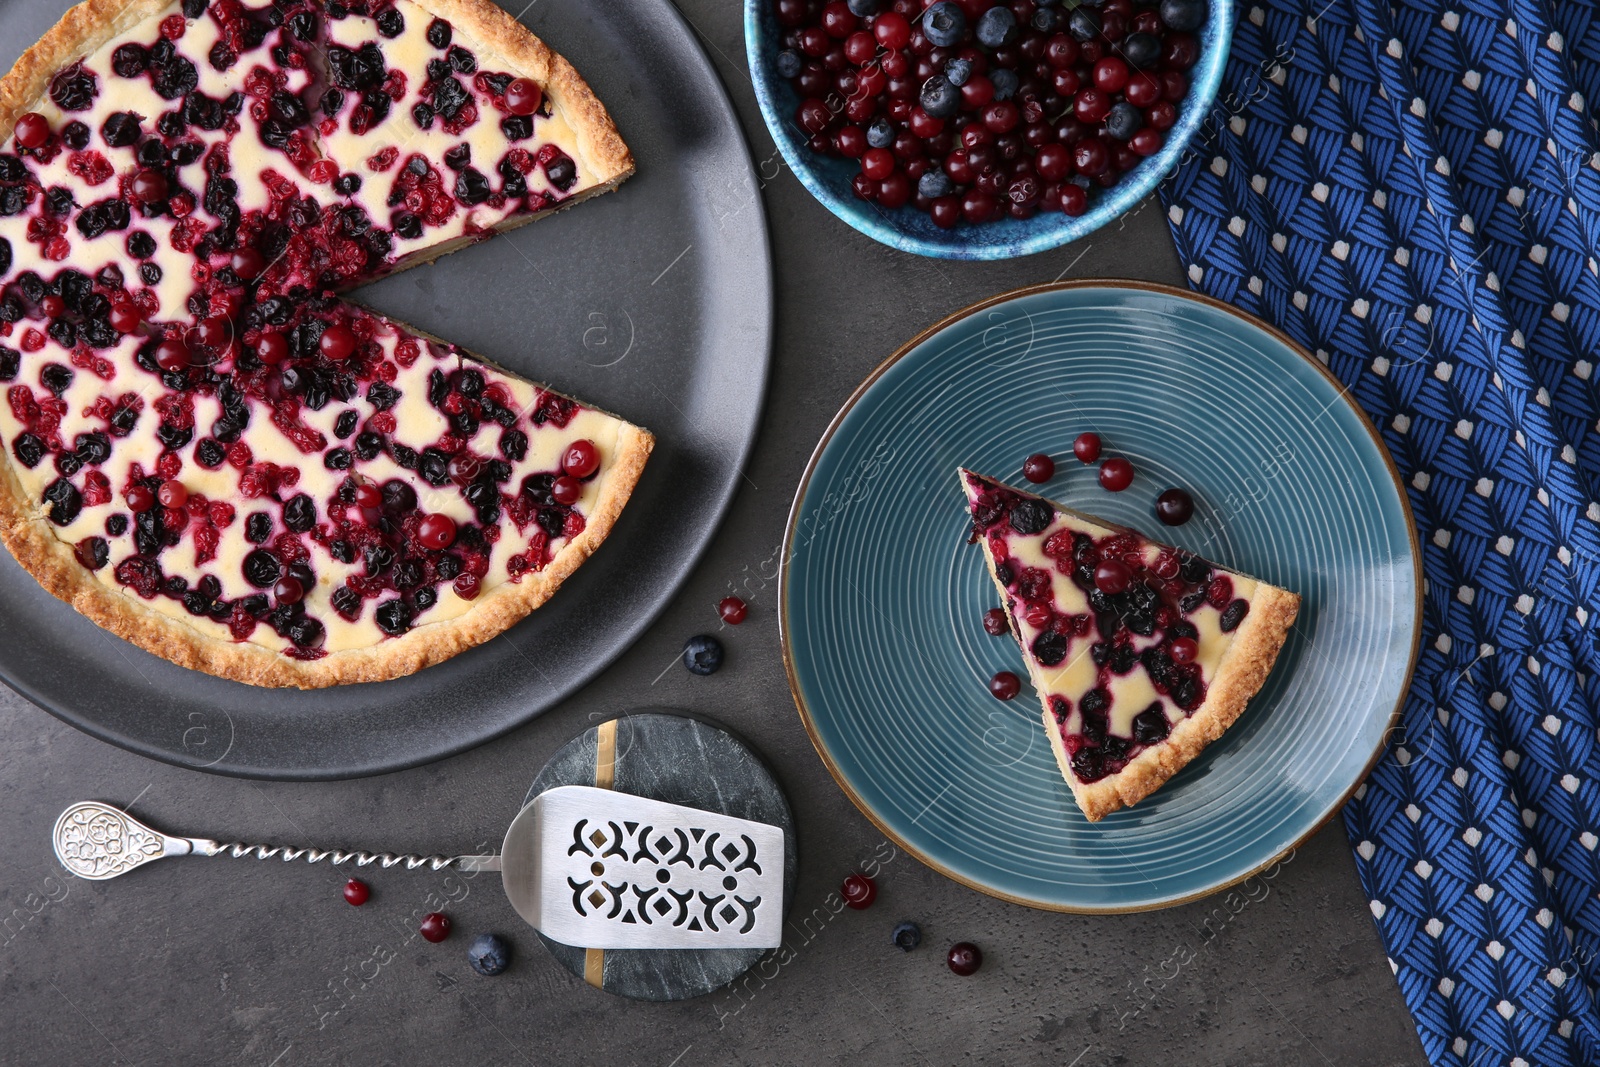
1084 23
788 64
1141 49
939 98
1005 83
935 183
702 654
1124 121
958 71
997 27
906 936
1047 20
864 9
1184 16
944 23
489 954
881 133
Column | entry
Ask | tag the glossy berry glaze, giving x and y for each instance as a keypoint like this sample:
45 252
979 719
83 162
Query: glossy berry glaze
974 111
1104 662
213 432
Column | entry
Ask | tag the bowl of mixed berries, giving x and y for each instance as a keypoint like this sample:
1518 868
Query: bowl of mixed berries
977 129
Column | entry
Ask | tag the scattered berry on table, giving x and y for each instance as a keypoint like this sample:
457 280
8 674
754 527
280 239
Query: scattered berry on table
994 622
733 610
356 892
435 926
1005 685
859 891
1174 507
1087 447
965 958
489 954
702 654
1116 474
1038 468
906 936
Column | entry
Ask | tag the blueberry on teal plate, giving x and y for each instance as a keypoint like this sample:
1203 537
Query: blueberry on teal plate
489 954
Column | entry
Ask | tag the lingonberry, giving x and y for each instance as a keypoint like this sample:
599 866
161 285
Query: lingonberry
964 958
1174 507
732 609
1116 474
994 622
1087 446
1005 685
356 892
859 891
435 926
1039 468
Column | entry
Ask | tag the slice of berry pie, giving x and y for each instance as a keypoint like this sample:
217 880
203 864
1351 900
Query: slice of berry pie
1142 654
206 451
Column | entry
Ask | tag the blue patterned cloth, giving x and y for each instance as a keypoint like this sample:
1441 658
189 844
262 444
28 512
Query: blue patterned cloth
1412 191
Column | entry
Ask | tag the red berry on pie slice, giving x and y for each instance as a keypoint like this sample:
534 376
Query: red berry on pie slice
1142 654
206 451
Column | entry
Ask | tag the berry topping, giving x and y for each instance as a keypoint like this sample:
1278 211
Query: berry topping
732 610
581 459
1174 507
1184 650
1116 474
523 96
702 654
964 958
273 348
1005 685
906 936
435 926
32 130
172 494
566 490
489 954
173 355
859 891
1087 447
1039 468
356 892
1112 576
437 532
337 342
148 186
139 497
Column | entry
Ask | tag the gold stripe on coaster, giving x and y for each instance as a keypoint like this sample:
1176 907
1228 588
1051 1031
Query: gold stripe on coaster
605 775
605 758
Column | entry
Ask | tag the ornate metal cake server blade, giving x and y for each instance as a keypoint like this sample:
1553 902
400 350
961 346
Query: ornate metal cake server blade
587 867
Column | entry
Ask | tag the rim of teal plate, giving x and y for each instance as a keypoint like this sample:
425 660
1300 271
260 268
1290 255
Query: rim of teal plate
1039 234
785 587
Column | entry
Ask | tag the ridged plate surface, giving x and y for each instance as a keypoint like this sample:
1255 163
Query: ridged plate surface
883 598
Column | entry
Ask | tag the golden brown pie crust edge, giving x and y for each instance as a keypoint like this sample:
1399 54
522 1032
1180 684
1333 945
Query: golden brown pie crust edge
26 531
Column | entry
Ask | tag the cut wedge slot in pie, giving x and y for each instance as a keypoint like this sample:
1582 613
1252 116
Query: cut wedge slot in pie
205 450
1142 654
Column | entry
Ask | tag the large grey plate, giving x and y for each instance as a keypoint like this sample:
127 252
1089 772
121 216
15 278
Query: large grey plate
654 302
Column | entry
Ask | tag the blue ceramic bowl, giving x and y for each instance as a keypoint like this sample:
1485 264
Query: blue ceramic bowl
911 230
883 599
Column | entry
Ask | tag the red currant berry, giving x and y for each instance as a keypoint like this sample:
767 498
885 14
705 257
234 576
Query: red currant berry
1091 106
32 129
860 47
1091 157
172 494
732 609
1087 446
837 21
1116 474
566 490
435 926
523 96
1039 468
125 317
859 891
1142 90
356 892
892 30
895 190
247 263
148 186
140 499
1005 685
1174 507
877 163
368 495
437 532
213 332
289 591
1184 650
1074 201
1111 74
53 306
337 342
273 348
1147 142
1112 576
581 459
172 355
1053 162
945 212
965 958
994 622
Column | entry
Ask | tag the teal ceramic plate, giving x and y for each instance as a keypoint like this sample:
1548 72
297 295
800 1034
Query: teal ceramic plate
883 599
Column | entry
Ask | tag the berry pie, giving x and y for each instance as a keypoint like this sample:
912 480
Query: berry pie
1142 654
208 452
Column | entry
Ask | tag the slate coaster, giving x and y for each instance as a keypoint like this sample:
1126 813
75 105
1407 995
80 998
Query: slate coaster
681 761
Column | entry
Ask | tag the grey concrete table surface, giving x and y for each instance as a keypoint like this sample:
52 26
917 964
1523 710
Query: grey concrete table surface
239 962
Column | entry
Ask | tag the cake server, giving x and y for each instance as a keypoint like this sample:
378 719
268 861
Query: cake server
588 867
